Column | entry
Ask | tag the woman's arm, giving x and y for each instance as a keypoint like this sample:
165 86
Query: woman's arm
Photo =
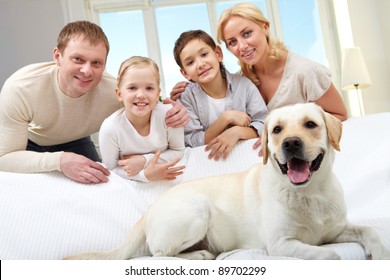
332 103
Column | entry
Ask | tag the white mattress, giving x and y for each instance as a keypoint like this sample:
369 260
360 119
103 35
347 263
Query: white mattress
47 216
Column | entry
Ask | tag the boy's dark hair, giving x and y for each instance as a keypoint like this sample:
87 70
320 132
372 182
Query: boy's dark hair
188 36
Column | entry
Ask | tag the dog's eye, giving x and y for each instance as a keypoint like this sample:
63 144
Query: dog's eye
310 124
277 129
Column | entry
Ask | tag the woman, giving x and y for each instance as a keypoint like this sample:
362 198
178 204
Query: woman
288 78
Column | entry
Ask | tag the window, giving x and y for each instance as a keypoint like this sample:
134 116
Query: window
302 29
230 61
171 22
150 28
126 34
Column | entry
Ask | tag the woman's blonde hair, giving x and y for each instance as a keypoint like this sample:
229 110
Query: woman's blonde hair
254 14
138 61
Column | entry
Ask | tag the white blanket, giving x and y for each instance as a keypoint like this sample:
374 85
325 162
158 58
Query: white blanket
47 216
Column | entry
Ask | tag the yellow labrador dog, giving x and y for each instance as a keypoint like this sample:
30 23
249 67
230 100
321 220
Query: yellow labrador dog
288 205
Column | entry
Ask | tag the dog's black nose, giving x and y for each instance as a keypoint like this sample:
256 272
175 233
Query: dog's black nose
292 144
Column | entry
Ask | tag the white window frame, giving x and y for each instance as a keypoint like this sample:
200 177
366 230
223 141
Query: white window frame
92 8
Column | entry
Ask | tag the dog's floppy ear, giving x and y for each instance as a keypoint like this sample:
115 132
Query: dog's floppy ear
334 128
264 143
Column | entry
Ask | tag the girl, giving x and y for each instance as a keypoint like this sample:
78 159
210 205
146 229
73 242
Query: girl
135 141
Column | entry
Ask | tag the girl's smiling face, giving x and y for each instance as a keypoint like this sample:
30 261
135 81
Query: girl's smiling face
139 90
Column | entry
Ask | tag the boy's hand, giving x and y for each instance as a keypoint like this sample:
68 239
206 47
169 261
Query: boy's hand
239 118
222 145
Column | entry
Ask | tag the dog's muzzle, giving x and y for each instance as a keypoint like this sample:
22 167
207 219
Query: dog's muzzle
296 167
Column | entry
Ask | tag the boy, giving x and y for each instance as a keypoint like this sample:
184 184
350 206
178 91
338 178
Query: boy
223 107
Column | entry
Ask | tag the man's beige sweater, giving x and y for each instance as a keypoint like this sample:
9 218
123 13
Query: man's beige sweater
32 106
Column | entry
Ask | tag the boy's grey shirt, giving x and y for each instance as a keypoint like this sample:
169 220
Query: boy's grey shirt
242 95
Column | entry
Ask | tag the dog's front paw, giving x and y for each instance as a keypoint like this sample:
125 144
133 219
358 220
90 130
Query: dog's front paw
197 255
328 255
87 256
378 253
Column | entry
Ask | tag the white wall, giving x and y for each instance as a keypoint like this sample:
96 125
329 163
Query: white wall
370 24
28 32
29 29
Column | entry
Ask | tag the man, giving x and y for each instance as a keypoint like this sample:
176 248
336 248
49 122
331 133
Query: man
49 110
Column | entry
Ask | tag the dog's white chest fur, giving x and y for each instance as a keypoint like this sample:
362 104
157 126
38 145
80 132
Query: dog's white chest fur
314 214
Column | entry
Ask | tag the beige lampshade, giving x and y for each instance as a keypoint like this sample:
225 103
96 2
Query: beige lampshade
355 74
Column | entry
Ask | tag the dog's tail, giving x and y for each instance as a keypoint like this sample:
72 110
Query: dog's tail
126 250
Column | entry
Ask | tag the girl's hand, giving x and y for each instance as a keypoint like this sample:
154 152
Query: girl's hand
167 171
132 164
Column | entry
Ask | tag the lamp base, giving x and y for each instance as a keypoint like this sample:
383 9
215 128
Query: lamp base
361 105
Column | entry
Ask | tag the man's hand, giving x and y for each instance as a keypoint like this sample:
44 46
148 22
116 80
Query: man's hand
82 169
176 116
132 164
177 90
155 171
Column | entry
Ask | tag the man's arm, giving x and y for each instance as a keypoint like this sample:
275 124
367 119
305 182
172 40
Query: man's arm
177 116
15 158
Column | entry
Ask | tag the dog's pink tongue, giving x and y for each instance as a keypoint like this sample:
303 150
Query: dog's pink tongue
298 173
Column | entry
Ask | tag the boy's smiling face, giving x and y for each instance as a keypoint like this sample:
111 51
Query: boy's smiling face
201 63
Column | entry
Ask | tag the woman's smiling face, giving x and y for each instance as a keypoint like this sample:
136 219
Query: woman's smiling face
246 39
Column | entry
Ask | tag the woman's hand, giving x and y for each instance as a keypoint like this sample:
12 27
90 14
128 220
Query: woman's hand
258 144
